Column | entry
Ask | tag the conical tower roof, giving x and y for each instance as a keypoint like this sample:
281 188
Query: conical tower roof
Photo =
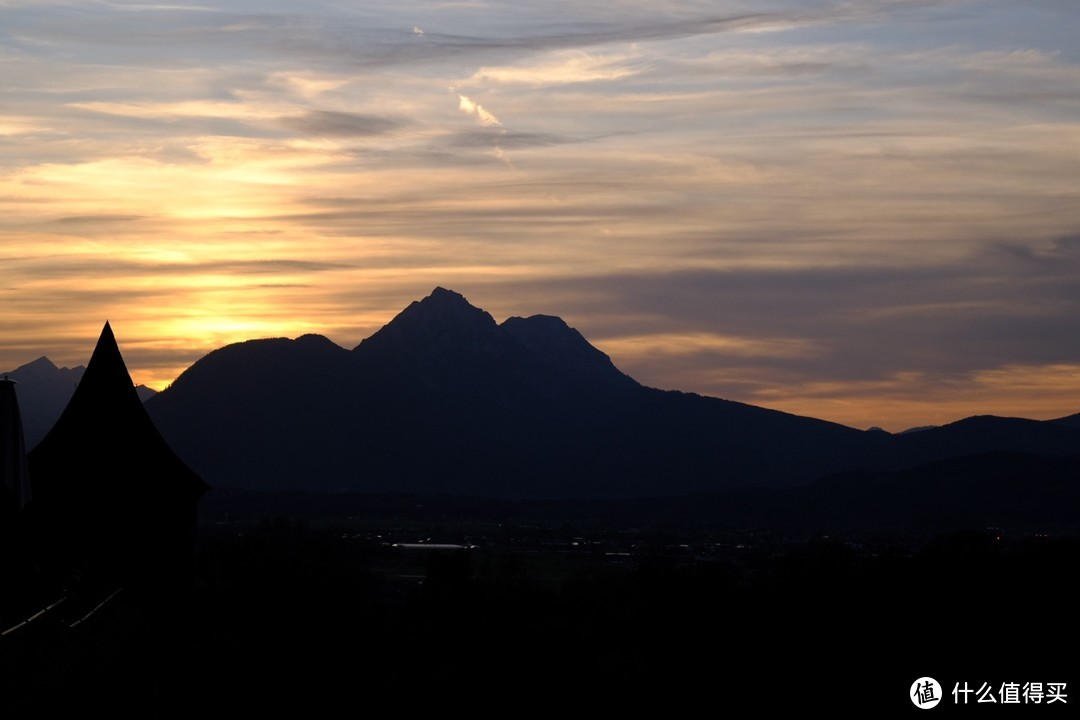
104 474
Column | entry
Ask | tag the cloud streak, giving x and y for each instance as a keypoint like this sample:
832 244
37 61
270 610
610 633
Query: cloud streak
340 124
851 204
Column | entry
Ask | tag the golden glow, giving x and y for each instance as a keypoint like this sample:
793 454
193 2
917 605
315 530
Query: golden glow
908 400
641 348
308 85
277 175
193 108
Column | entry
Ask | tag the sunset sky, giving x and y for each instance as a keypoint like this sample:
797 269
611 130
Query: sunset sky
866 211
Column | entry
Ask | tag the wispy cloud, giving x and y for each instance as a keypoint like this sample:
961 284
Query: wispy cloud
781 201
486 119
467 106
83 219
557 68
340 124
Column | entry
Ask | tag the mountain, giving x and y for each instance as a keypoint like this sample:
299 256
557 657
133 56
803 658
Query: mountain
448 345
972 436
1003 489
443 399
1009 493
44 391
1072 421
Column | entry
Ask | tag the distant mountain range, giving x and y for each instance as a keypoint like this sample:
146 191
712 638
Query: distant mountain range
44 391
1008 494
445 400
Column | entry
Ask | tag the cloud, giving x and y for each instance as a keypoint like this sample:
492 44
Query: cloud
654 345
172 110
906 400
467 106
84 219
329 123
816 330
782 61
237 30
485 137
486 119
166 275
856 195
557 68
1023 61
306 84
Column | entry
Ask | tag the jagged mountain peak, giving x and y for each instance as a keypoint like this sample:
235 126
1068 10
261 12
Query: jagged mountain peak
441 294
43 367
550 338
42 363
547 333
447 336
442 322
446 306
443 399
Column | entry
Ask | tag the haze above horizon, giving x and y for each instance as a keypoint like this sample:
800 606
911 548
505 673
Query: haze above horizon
866 213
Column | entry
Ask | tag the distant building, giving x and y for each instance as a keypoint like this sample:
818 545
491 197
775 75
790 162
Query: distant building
14 476
14 494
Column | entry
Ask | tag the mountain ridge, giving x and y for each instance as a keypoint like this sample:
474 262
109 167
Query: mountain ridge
443 399
44 390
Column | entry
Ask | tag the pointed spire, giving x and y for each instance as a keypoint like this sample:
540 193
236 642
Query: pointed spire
107 364
106 414
104 476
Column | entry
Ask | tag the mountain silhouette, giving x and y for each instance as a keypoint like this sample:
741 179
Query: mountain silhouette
443 338
44 392
1003 489
1072 421
972 436
443 399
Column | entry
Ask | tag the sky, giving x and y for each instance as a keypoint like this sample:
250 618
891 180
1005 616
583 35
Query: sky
863 211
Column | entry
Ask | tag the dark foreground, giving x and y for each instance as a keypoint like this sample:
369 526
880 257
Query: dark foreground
574 613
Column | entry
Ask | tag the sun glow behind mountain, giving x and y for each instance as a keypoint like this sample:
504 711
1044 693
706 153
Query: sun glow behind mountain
860 212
